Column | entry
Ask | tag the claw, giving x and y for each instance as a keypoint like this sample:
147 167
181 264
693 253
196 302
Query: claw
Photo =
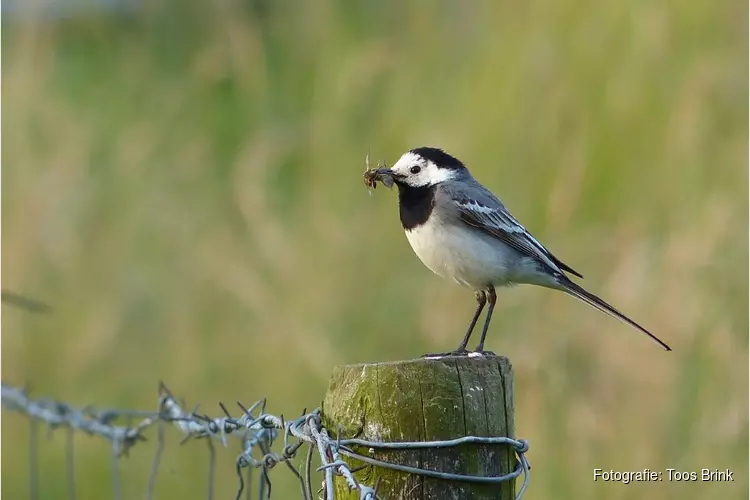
477 353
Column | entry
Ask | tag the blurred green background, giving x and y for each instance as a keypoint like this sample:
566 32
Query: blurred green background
182 183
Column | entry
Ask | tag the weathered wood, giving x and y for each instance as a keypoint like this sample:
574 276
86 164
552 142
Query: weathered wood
425 400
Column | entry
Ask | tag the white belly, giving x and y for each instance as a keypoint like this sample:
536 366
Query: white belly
464 255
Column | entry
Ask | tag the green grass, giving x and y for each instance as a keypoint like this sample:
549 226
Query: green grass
184 187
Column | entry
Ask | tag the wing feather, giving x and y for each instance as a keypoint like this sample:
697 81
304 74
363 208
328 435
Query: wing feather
499 223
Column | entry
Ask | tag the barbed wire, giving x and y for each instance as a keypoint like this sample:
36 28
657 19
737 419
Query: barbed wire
256 430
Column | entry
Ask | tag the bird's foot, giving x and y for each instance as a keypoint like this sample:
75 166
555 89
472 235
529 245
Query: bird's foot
480 352
457 352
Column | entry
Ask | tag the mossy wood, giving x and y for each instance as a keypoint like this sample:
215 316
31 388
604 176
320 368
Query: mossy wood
426 400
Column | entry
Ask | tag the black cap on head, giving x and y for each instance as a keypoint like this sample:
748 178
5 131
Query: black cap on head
438 157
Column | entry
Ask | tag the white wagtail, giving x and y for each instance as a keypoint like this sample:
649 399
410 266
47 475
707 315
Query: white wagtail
462 232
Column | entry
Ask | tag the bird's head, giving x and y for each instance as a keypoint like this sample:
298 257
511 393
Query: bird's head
424 167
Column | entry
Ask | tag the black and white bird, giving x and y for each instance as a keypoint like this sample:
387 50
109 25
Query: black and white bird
464 233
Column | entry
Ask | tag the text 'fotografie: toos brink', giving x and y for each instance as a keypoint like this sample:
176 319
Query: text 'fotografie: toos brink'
645 475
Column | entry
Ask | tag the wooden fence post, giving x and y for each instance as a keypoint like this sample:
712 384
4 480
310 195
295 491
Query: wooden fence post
426 400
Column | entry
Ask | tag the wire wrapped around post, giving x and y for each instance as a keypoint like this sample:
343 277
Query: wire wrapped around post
428 428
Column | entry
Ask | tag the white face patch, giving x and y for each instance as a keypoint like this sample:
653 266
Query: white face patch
418 172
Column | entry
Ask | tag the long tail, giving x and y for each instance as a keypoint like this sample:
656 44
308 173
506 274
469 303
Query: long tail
578 292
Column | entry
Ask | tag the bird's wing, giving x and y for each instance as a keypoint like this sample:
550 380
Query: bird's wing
488 214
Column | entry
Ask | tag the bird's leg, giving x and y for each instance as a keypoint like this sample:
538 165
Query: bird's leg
481 301
461 350
492 299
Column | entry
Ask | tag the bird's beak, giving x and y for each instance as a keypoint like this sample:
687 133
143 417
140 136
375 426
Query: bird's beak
386 172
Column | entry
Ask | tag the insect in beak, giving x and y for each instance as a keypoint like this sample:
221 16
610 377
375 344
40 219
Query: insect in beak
382 174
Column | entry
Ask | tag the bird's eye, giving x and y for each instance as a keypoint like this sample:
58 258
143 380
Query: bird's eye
415 169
